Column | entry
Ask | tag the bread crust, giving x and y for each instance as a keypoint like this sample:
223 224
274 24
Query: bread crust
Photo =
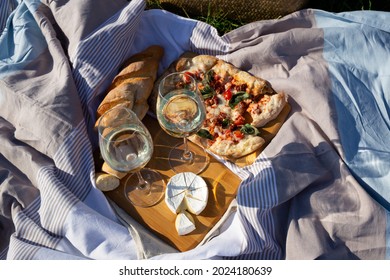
134 83
197 62
106 182
270 110
227 149
107 169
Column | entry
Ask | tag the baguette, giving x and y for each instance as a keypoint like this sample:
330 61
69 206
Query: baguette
134 83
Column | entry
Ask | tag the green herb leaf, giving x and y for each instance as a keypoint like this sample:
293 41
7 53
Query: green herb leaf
207 92
209 77
225 123
238 97
250 129
205 134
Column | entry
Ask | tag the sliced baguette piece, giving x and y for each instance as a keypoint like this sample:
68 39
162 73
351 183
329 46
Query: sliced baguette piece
107 169
106 182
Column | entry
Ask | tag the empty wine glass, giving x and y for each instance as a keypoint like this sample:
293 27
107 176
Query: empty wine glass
181 113
127 146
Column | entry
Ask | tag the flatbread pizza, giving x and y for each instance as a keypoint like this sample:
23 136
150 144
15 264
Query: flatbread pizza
237 105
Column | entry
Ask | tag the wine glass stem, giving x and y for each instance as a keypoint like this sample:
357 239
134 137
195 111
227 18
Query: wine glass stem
187 154
142 183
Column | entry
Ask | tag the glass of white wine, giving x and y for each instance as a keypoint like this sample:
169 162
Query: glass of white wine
181 113
127 146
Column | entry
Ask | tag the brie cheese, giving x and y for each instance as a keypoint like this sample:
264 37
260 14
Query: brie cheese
184 223
186 191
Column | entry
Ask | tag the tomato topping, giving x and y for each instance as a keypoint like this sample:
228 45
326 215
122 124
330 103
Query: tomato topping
227 94
239 121
238 134
187 77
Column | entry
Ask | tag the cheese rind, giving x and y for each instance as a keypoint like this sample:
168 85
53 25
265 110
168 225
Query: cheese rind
186 191
184 223
174 199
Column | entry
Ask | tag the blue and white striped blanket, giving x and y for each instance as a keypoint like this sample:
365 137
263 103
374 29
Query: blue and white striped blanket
320 190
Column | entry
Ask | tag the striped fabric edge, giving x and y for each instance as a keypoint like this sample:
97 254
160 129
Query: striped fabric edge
20 250
3 254
256 197
32 210
32 233
26 220
28 238
61 187
91 67
73 160
205 40
56 202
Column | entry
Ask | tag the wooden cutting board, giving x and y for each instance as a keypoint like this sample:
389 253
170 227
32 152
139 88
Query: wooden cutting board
222 183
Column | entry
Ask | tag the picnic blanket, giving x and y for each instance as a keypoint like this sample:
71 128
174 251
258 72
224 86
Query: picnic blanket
320 189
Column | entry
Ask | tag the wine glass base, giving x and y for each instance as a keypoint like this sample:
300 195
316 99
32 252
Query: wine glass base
145 197
200 159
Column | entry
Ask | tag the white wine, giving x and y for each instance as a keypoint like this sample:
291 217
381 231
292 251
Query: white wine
179 113
127 148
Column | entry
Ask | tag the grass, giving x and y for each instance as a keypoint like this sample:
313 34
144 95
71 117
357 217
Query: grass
224 24
221 22
218 19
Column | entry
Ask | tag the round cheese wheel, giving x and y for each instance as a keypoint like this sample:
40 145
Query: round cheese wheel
186 191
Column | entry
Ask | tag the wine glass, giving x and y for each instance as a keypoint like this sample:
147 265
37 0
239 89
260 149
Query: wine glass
181 113
127 146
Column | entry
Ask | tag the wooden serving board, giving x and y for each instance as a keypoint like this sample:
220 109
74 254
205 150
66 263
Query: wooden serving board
222 183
